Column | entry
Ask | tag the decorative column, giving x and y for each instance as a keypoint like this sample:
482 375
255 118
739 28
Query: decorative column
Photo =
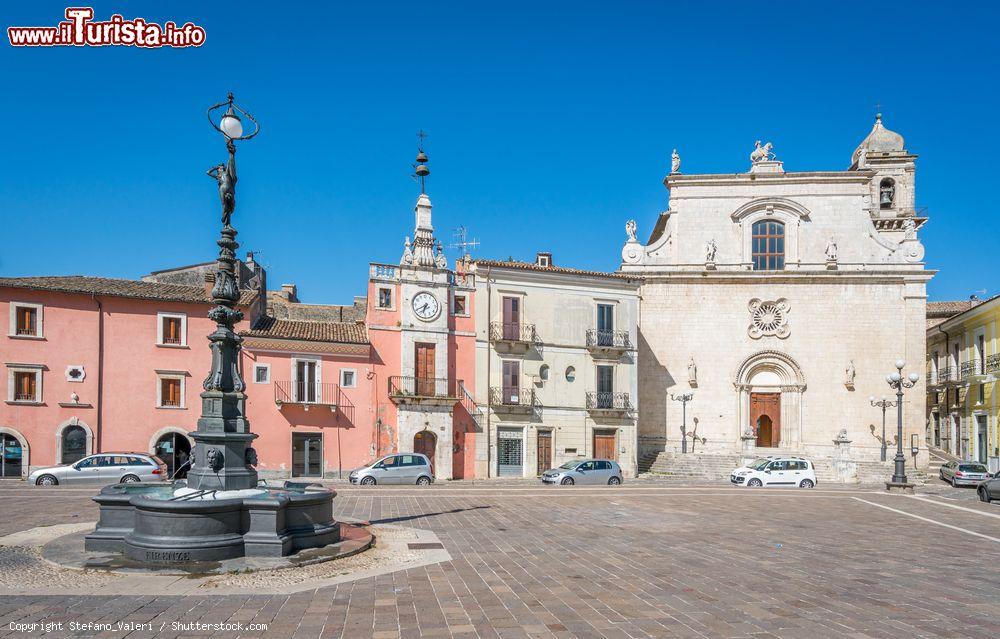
223 458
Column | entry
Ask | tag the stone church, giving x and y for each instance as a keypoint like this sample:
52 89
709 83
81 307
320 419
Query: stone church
779 301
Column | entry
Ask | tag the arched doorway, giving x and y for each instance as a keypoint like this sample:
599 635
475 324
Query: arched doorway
12 464
74 444
175 450
425 443
765 431
770 385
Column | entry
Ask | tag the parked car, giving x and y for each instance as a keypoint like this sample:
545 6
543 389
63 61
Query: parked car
775 471
103 468
403 468
989 489
585 471
964 473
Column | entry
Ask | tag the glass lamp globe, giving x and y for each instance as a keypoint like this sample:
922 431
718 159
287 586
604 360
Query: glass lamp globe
871 398
231 126
900 364
913 377
895 377
888 378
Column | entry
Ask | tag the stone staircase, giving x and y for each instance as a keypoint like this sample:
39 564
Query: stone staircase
717 467
938 458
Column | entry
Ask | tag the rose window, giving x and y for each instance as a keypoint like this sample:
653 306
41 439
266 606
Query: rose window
768 318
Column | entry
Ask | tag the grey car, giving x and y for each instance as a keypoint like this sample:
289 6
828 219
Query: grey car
989 489
964 473
103 468
399 468
585 472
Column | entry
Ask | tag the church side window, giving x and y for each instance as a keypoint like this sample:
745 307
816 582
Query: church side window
768 246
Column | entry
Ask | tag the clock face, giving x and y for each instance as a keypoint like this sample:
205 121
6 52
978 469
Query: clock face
425 305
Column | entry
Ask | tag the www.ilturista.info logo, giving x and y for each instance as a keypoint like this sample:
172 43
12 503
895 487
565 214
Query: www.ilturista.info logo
80 30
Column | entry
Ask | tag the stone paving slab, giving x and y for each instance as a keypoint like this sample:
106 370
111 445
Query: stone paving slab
639 561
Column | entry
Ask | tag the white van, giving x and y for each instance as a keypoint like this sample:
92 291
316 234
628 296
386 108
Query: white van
775 471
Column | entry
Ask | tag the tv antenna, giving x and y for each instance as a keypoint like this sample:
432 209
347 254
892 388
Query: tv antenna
462 241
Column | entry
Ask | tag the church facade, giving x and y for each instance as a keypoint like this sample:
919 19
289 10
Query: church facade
779 301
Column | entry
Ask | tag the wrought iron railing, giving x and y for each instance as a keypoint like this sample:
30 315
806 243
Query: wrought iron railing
404 386
509 396
306 392
608 401
943 375
971 368
598 338
470 405
512 332
993 363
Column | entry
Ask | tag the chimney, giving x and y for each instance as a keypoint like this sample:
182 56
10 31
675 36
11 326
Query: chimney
543 259
209 283
290 292
974 300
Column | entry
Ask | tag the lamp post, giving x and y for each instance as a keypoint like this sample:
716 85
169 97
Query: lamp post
223 457
898 382
683 399
883 404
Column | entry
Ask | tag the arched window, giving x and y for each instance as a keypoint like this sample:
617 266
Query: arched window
543 372
768 245
887 193
74 444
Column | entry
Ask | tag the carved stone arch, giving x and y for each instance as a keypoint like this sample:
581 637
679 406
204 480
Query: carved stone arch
25 451
61 431
771 371
781 364
790 213
166 431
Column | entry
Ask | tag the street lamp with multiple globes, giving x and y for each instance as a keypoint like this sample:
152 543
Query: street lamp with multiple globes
898 382
883 404
683 399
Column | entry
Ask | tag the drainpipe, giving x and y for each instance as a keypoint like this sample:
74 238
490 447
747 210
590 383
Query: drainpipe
100 373
489 355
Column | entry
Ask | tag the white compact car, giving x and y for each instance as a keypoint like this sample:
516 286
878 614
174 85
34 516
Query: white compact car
775 471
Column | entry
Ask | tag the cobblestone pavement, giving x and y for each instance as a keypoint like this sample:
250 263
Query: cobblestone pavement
651 559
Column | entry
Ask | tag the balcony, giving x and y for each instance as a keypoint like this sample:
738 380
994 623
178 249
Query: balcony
948 376
307 394
430 391
515 337
387 272
972 369
609 404
512 400
602 343
993 364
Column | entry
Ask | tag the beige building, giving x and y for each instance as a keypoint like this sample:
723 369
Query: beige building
556 363
780 300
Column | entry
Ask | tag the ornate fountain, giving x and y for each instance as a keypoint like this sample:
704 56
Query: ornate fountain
221 511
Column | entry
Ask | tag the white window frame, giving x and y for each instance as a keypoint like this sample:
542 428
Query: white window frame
353 371
466 296
162 375
392 298
159 329
266 367
24 368
39 330
295 376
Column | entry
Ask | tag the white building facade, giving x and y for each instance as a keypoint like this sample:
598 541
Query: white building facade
556 359
780 301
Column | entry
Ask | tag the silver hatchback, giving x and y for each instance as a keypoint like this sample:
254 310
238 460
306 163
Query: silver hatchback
103 468
964 473
586 472
401 468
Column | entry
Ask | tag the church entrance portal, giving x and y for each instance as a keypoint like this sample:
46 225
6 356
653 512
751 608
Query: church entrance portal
765 418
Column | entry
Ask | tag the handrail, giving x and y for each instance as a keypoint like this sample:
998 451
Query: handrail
410 386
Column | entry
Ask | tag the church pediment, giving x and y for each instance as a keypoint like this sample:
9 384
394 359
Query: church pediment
771 204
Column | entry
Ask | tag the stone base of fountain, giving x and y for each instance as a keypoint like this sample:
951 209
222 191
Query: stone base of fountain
161 524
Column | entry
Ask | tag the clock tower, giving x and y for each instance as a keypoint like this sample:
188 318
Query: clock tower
418 311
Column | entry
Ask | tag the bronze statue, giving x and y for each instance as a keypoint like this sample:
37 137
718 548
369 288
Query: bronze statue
225 175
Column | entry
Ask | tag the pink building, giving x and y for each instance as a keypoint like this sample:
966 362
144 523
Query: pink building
96 364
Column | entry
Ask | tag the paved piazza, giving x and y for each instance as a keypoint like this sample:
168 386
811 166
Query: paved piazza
646 560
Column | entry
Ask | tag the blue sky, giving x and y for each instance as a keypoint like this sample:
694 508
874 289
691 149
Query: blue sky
550 124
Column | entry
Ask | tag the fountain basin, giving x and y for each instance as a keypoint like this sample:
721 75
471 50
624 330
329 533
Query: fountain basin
157 524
